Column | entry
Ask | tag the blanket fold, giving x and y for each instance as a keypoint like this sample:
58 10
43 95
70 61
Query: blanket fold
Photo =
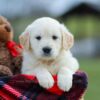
25 87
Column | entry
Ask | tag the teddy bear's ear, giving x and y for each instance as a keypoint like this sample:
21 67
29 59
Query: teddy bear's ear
24 40
67 38
3 20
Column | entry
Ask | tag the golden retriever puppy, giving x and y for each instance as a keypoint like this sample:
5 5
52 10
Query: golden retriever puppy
46 52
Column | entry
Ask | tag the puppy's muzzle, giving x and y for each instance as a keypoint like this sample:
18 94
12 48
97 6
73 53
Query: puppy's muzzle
46 51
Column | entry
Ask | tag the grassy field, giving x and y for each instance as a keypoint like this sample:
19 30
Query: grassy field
92 67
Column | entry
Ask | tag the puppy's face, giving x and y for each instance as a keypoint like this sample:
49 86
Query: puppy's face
46 41
45 37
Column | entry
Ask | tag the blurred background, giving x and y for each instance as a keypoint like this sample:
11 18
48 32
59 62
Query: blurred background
82 17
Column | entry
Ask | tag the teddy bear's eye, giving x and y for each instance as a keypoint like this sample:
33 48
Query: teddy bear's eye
54 37
38 37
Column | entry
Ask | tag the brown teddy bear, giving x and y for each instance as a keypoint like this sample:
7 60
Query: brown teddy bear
10 52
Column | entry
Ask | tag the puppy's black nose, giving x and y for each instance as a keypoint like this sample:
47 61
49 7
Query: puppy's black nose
47 50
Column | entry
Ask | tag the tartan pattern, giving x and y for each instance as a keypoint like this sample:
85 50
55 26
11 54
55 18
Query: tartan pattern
25 87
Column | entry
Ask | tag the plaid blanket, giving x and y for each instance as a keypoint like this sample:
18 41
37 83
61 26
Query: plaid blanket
25 87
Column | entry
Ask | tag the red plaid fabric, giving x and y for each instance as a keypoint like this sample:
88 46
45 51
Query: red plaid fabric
25 87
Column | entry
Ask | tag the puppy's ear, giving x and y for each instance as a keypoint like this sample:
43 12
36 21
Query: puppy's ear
67 38
24 39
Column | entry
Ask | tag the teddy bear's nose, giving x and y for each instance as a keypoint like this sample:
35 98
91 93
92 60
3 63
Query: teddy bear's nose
46 50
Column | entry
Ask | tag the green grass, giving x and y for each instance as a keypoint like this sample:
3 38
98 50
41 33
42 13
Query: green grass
92 68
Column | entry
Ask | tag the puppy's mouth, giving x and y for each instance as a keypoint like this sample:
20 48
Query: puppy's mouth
46 58
47 55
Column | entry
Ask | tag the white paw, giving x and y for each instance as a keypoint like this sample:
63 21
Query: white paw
65 83
46 81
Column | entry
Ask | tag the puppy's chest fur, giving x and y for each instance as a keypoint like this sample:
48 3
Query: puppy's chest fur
30 63
53 67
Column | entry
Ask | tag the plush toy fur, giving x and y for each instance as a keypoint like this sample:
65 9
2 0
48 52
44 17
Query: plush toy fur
9 64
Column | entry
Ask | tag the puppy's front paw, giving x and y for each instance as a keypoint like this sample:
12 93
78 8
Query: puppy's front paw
65 83
46 81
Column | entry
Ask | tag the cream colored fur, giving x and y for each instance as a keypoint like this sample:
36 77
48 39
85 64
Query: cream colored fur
60 62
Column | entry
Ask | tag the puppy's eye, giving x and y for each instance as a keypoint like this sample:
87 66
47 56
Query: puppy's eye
38 37
54 37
